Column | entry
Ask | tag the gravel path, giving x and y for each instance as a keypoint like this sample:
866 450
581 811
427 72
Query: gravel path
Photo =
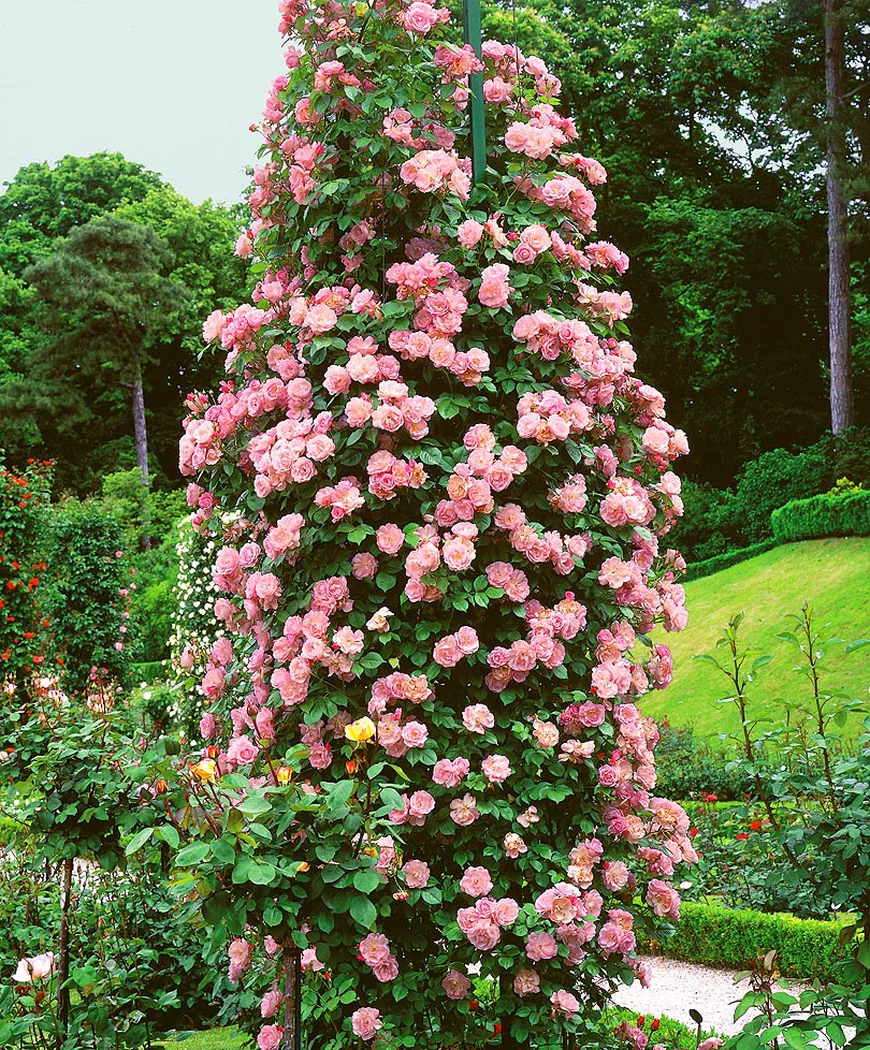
677 987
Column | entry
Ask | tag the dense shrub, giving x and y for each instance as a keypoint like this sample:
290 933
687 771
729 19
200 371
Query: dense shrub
717 521
86 596
690 767
772 479
710 524
152 605
715 935
845 511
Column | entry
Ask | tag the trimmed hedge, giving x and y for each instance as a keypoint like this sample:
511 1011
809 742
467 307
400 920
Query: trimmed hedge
837 513
699 569
714 935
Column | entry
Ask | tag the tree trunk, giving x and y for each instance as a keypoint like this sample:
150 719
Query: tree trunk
839 340
508 1040
63 954
140 436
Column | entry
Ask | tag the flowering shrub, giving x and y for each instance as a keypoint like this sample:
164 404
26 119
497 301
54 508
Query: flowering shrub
194 626
23 496
424 750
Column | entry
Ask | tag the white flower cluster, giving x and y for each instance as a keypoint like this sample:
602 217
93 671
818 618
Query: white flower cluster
194 626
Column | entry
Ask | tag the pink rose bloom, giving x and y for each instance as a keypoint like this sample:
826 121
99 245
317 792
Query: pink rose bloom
464 811
416 874
387 970
476 882
446 652
564 1002
414 734
469 233
208 726
456 985
615 875
494 289
364 566
366 1022
506 911
484 935
663 899
449 773
271 1003
310 961
320 318
467 640
242 750
421 803
239 953
524 254
389 538
374 949
496 768
541 946
514 845
270 1037
419 18
477 718
527 982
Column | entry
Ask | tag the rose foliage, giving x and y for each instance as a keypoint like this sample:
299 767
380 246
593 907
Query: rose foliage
424 745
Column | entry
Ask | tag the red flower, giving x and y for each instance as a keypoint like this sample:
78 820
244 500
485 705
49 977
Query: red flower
742 835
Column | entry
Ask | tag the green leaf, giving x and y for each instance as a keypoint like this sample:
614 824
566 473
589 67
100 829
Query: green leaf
223 851
192 854
390 797
363 911
138 840
366 880
254 805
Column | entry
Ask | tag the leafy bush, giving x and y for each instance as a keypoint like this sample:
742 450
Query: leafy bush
152 605
767 482
710 525
693 768
86 596
716 935
842 512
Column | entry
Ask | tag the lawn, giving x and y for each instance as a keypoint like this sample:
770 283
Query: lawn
831 574
216 1039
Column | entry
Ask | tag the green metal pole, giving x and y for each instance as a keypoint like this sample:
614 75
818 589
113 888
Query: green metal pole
475 84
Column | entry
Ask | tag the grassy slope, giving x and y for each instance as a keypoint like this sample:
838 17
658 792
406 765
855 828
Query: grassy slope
832 574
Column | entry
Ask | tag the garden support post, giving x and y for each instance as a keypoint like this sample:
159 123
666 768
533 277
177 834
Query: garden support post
63 954
475 85
292 999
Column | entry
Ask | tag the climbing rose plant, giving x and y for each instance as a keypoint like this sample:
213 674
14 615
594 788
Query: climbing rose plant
427 778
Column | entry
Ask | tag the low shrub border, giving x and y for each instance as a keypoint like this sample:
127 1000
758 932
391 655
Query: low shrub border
713 935
697 570
837 513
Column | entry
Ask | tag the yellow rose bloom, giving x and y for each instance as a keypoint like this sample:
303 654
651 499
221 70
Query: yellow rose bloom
205 770
360 731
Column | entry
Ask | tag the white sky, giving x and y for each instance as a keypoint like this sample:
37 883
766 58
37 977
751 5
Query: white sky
173 84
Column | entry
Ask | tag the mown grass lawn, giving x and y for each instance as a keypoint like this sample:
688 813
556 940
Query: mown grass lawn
833 575
216 1039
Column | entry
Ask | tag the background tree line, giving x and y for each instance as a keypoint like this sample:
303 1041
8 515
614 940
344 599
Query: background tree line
711 119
